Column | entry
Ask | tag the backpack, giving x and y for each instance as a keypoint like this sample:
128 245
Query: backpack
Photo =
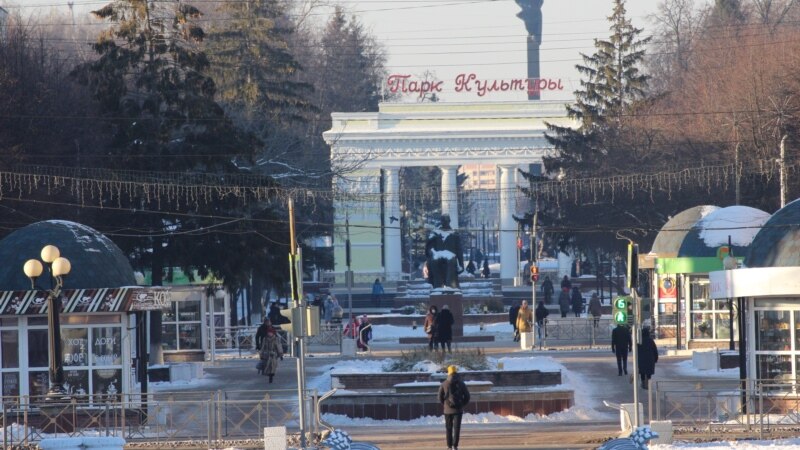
458 396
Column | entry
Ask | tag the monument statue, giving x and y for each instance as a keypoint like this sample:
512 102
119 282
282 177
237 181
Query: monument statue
531 14
445 259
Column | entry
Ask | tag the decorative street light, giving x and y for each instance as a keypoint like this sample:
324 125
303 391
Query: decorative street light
58 267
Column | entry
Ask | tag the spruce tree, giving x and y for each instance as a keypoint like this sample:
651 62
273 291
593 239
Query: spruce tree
255 71
151 81
611 87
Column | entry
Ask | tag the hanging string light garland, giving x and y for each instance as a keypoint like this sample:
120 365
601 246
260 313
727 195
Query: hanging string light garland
189 191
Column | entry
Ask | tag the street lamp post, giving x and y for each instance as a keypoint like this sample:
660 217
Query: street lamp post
58 267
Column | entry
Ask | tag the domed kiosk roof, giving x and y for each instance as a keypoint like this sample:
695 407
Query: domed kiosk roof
96 261
741 223
778 242
669 239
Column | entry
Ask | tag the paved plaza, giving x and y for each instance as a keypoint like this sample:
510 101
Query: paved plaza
596 367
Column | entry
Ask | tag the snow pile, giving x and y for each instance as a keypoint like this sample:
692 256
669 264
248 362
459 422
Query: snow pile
741 223
686 369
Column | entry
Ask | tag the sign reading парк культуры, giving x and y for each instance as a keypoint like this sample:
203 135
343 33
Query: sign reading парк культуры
470 83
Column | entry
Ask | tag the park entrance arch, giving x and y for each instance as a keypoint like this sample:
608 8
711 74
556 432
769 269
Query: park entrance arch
369 149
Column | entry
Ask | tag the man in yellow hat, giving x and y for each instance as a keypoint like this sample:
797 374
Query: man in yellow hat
454 396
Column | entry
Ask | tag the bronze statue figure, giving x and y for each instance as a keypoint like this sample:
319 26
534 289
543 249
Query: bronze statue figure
531 14
445 259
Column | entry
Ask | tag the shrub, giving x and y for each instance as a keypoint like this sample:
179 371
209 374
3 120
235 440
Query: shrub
469 359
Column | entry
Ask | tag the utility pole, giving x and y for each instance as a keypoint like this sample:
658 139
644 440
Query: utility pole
349 274
782 165
296 276
633 282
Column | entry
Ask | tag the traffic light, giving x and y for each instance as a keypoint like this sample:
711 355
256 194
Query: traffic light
534 273
621 310
633 266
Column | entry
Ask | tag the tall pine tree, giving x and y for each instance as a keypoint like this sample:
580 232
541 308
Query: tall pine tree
611 88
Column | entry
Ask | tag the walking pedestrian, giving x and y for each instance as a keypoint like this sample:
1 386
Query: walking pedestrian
648 357
454 396
444 328
577 301
377 292
541 316
512 319
621 344
564 302
430 327
329 305
486 272
351 329
595 310
271 352
364 333
547 290
261 333
524 320
565 283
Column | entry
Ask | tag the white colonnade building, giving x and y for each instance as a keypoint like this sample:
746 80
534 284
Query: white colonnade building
370 149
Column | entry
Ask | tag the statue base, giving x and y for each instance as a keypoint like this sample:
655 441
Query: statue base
455 302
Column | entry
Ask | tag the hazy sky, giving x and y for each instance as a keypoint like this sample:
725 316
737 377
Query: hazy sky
484 37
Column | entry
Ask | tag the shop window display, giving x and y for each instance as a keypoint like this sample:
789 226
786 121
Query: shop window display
181 326
710 319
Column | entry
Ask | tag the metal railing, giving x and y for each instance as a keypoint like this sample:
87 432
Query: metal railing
761 406
577 330
207 417
243 338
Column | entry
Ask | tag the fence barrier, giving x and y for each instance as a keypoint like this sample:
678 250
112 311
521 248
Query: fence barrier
209 417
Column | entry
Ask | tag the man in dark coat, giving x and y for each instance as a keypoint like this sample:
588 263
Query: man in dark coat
564 302
621 344
648 357
577 301
444 327
512 319
540 315
547 290
452 414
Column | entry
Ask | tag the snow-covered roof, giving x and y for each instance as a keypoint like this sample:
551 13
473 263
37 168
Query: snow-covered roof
669 239
740 223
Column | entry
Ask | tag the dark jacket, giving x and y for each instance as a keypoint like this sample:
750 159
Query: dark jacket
577 301
444 325
566 284
564 302
444 392
621 342
547 288
648 354
512 315
541 314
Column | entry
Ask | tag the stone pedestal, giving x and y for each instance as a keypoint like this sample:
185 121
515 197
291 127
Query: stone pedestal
455 303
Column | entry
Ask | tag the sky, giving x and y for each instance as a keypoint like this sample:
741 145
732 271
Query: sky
482 37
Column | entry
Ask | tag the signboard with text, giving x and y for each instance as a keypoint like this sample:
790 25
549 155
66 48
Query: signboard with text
151 300
470 83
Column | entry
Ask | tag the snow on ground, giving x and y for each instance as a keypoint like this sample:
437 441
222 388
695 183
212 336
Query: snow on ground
686 369
784 444
381 333
584 409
